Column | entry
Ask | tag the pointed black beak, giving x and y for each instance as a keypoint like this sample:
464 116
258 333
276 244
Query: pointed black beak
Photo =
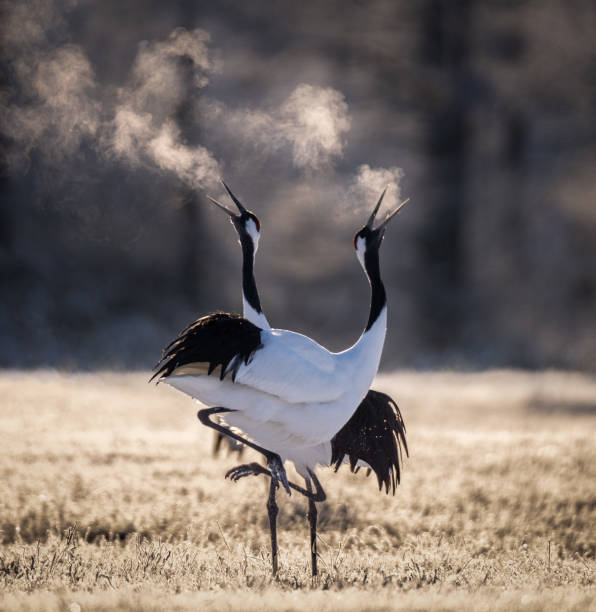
392 214
371 219
236 201
383 224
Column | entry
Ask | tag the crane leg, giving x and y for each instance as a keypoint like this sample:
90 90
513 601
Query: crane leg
277 474
232 445
318 495
217 443
312 519
272 511
255 469
274 463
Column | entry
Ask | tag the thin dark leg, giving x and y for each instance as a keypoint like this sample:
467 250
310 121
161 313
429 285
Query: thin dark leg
278 473
218 440
319 496
231 445
274 462
312 519
272 511
254 469
313 515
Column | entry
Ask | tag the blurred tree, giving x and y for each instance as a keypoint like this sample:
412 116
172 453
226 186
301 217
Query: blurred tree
193 239
445 49
489 107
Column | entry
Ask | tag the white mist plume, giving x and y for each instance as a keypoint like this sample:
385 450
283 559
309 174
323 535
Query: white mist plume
53 107
312 122
163 72
368 184
59 106
194 165
55 104
143 130
27 23
130 132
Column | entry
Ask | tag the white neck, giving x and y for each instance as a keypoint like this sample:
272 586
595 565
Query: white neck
362 360
254 233
364 357
258 318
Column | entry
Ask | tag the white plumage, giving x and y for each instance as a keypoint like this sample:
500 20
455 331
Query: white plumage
293 394
292 397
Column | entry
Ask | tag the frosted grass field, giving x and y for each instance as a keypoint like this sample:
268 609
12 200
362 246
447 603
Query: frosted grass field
109 498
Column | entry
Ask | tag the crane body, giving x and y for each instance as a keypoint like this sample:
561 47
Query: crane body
291 398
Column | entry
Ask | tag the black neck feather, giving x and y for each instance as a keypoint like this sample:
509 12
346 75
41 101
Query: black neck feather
378 298
249 286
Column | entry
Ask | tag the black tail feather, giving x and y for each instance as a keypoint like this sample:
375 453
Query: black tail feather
376 434
218 339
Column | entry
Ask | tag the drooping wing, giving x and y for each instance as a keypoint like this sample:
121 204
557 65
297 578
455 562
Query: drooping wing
375 434
218 339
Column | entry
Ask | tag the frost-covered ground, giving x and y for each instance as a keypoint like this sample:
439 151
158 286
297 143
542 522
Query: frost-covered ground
109 497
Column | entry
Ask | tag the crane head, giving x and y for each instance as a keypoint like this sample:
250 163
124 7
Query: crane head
246 222
369 237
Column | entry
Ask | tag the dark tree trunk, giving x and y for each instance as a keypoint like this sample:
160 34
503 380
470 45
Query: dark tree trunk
445 51
193 236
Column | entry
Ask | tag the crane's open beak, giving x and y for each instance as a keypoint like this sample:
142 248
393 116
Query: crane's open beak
388 218
225 208
371 219
392 214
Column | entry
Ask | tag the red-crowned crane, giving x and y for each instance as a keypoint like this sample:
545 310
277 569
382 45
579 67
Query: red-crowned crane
373 436
285 392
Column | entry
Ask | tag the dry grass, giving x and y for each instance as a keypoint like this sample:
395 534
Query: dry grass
109 498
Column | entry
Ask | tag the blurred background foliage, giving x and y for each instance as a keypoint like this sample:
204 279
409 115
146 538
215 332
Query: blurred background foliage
488 108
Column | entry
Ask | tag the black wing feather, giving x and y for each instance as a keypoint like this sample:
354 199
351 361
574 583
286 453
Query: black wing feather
375 433
219 339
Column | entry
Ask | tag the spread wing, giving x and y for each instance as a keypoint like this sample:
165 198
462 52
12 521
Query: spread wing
375 434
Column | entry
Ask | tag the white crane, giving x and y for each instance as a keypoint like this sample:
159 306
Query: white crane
373 436
284 391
